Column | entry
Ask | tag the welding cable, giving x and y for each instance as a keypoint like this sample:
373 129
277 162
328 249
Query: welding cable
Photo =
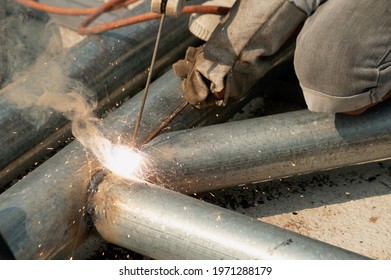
107 7
73 11
198 9
111 5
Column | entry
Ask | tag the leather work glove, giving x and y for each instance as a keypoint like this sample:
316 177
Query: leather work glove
238 52
199 90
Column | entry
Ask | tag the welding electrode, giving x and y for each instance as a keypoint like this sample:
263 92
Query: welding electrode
172 8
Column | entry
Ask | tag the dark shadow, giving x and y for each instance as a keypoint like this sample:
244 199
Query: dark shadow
13 231
374 121
5 251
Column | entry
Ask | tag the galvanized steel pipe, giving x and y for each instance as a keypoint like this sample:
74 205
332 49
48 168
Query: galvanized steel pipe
164 224
42 216
269 147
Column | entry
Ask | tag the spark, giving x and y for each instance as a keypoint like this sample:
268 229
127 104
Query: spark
124 161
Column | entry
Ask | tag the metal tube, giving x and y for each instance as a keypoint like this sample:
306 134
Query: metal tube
164 224
266 148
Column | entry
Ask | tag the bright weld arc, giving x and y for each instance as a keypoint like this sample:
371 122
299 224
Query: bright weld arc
125 162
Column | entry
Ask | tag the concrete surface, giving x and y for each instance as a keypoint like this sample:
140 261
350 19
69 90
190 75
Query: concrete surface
347 207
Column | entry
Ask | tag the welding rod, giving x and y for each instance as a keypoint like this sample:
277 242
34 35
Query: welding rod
149 79
163 224
261 149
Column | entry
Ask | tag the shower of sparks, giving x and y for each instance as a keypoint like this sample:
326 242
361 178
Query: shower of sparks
124 161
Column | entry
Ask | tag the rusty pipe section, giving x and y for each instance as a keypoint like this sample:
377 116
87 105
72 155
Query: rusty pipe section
266 148
163 224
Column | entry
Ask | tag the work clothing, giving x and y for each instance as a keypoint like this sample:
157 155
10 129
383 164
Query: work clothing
307 6
342 57
237 53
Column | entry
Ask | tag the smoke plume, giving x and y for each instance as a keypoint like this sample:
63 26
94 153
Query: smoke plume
37 87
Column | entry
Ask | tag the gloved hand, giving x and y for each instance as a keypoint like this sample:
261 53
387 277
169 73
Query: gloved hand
197 88
238 52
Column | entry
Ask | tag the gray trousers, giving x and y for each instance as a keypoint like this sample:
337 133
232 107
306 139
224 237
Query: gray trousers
343 54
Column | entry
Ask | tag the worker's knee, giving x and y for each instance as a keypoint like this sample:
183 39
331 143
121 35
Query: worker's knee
343 61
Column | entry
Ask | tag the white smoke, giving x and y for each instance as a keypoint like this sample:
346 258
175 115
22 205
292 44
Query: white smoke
42 89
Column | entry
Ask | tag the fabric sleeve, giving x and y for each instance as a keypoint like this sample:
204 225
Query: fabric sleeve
307 6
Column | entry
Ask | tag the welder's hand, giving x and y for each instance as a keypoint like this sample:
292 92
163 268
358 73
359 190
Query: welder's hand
196 72
239 51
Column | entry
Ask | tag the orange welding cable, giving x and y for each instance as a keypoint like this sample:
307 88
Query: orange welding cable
111 5
84 30
69 11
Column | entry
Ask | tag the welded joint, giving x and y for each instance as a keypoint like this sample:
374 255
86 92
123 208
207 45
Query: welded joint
96 179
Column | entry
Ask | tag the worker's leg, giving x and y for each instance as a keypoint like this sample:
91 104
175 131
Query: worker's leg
343 55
